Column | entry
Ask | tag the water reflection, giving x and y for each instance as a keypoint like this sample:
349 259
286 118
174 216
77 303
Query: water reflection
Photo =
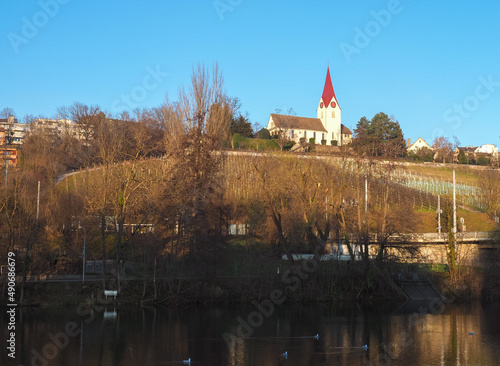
406 335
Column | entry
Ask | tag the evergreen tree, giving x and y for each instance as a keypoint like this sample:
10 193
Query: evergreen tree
380 136
241 125
462 158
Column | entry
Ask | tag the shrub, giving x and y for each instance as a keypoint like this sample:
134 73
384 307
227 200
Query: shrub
312 140
334 142
236 140
323 142
482 160
288 145
264 134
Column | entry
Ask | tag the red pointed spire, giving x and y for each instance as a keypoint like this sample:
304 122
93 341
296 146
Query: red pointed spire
328 92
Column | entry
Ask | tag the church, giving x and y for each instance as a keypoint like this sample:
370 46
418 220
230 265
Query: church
326 129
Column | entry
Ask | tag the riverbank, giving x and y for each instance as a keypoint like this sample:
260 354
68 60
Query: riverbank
332 282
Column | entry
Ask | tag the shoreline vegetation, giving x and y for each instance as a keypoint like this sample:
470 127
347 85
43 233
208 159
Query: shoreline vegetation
331 282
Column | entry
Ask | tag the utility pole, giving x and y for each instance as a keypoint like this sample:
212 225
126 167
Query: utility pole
84 250
366 202
38 202
6 172
366 216
84 254
455 210
439 211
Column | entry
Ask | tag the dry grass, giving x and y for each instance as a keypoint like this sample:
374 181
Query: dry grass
464 174
474 221
240 179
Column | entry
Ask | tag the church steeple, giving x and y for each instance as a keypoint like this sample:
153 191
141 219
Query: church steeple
328 92
329 112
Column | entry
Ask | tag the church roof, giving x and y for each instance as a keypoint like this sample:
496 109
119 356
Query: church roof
298 123
328 92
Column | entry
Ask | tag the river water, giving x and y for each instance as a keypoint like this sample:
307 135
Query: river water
411 334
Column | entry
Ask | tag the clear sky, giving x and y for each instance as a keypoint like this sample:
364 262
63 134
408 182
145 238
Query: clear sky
433 65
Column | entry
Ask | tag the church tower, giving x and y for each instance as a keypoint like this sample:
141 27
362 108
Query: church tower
329 112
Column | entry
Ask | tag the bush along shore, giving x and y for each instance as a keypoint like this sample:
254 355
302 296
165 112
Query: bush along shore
330 282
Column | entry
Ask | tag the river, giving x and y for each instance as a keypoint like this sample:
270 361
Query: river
260 334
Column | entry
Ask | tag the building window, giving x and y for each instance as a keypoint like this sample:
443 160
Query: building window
322 136
321 114
314 135
305 133
292 134
333 114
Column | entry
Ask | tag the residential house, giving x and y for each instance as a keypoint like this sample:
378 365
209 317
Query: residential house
14 132
488 149
8 152
346 135
420 143
473 154
57 127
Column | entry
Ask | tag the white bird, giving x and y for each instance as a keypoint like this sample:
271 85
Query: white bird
365 346
187 362
316 336
285 355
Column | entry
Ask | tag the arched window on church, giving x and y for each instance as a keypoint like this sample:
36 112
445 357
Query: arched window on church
333 114
321 114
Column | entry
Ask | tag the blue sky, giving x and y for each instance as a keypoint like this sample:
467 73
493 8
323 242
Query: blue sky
433 65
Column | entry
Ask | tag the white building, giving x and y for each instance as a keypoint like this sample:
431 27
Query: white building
57 127
326 128
14 131
420 143
489 149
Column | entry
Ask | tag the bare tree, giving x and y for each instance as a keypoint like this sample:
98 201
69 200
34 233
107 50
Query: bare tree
195 128
489 181
6 112
443 148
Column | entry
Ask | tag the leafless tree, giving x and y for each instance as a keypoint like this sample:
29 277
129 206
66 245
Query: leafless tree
443 148
6 112
195 128
489 182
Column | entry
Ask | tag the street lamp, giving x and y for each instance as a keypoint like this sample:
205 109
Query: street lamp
84 256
